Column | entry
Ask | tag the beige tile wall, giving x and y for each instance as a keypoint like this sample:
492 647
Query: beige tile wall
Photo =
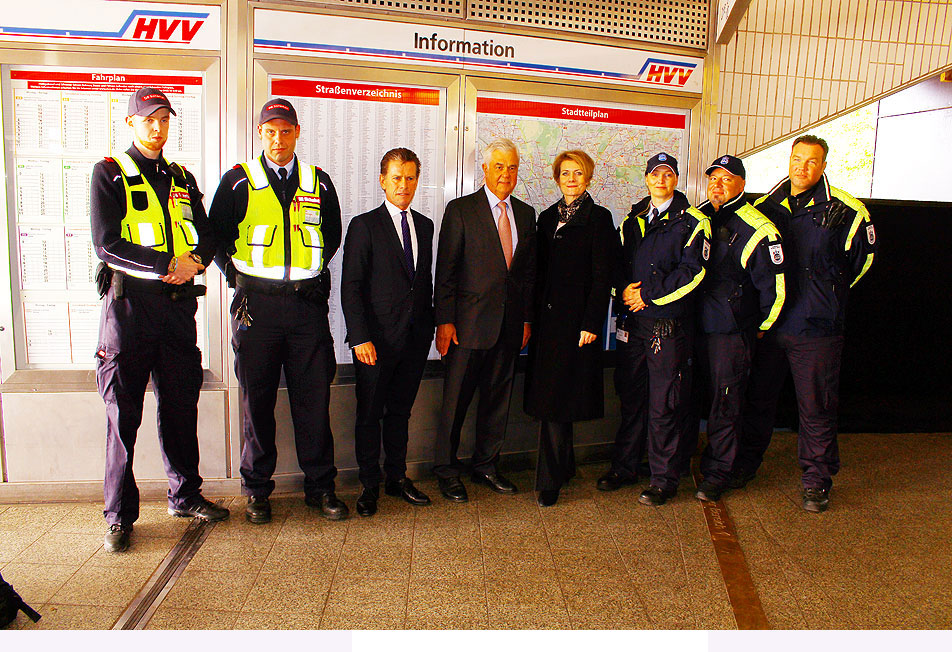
793 64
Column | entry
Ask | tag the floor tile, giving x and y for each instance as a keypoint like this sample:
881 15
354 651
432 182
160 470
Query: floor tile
283 592
278 621
231 555
366 603
300 556
13 542
209 590
82 519
38 517
103 586
36 583
56 548
179 619
63 616
441 604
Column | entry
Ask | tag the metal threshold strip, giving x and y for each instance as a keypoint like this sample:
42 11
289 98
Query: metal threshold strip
148 599
741 592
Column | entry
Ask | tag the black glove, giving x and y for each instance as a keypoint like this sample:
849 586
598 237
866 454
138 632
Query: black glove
231 274
664 328
834 216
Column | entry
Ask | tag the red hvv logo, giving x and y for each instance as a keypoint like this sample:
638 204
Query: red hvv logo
170 30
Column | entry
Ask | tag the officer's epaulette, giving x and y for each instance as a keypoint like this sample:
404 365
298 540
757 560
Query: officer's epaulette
109 159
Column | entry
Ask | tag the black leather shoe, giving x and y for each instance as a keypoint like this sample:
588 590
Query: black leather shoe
655 496
494 481
202 508
816 500
117 538
367 501
613 481
404 489
453 489
258 510
740 477
708 492
548 497
330 506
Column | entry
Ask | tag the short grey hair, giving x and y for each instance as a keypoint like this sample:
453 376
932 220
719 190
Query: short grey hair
499 145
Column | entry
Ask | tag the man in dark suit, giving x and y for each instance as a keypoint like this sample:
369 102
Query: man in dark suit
485 272
386 295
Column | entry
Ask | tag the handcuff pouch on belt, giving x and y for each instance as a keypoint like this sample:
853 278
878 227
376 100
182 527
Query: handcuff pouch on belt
103 279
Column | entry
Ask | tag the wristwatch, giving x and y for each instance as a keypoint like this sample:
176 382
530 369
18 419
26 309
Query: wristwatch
196 258
172 265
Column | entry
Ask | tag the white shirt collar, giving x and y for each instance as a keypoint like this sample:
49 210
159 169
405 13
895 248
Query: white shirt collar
494 200
663 207
289 166
394 210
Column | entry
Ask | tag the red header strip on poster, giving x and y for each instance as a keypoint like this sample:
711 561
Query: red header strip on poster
53 79
345 91
579 112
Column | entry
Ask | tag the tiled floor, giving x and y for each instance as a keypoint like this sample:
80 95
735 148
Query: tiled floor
879 558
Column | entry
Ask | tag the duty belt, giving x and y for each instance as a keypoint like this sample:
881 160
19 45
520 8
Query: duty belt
121 282
281 288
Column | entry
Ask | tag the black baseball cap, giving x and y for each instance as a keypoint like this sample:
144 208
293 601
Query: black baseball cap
661 159
730 163
278 109
148 100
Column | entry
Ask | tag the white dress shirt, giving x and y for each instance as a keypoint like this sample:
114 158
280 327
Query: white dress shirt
275 167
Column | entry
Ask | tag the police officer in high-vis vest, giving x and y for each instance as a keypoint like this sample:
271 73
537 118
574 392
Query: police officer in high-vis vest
150 230
278 223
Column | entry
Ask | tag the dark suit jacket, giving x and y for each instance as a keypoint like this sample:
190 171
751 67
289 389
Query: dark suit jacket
380 305
474 290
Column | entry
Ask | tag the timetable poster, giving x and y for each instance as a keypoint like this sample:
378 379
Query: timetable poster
64 121
346 128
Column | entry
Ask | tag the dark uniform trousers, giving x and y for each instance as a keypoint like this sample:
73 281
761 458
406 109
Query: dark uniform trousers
653 380
491 371
556 464
814 363
289 332
386 392
145 334
728 357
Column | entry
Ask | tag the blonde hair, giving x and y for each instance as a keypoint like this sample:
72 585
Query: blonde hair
583 160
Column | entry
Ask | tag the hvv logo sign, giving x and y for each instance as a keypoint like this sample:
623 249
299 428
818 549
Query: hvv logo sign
164 27
666 73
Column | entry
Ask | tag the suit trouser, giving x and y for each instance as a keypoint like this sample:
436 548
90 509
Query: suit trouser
556 464
814 363
727 356
289 332
491 371
141 335
649 384
386 391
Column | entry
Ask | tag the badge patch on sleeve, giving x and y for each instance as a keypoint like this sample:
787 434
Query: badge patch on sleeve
776 253
871 233
706 250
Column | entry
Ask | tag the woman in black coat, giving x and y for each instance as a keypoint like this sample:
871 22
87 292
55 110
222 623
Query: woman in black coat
577 246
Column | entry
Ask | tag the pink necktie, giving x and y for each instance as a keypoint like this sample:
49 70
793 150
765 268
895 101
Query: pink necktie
505 234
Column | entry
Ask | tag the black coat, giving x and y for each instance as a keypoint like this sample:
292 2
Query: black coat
379 302
573 284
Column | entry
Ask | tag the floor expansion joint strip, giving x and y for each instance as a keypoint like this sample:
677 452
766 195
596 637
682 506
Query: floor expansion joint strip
148 599
743 596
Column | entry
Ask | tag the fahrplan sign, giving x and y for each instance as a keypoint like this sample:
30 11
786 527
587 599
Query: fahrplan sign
341 37
102 22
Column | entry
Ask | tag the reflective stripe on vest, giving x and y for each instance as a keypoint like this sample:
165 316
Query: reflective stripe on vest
259 249
146 226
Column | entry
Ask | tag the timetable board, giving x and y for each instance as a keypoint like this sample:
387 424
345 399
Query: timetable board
346 127
64 120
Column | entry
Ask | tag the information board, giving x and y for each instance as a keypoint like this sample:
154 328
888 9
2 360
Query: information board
346 127
64 120
619 138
